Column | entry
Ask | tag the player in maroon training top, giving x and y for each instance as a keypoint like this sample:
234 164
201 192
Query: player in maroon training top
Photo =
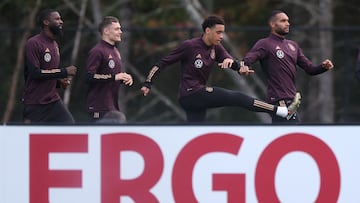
279 58
197 57
104 71
42 102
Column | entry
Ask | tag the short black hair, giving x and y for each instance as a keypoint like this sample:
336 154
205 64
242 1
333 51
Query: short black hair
107 20
211 21
44 15
273 13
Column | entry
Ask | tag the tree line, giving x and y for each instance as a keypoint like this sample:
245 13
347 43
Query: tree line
324 29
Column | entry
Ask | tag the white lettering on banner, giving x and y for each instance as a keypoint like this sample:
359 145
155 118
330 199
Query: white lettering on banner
191 167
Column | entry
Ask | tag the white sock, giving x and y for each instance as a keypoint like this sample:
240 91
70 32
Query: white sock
282 111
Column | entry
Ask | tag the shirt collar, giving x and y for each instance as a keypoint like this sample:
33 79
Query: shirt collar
203 43
107 44
276 37
47 38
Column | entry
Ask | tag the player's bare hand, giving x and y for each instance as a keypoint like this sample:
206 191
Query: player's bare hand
145 90
226 63
71 70
327 64
126 78
65 82
245 70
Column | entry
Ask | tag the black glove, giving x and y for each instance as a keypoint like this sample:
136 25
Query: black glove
147 84
235 65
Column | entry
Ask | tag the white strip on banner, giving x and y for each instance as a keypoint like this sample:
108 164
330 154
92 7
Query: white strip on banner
182 164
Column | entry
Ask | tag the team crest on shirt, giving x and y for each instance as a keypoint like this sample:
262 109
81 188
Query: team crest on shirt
47 57
198 63
291 47
111 63
280 54
212 54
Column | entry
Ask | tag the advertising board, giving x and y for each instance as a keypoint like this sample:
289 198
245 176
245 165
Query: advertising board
182 164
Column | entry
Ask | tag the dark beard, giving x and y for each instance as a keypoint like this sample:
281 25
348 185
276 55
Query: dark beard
281 33
56 30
